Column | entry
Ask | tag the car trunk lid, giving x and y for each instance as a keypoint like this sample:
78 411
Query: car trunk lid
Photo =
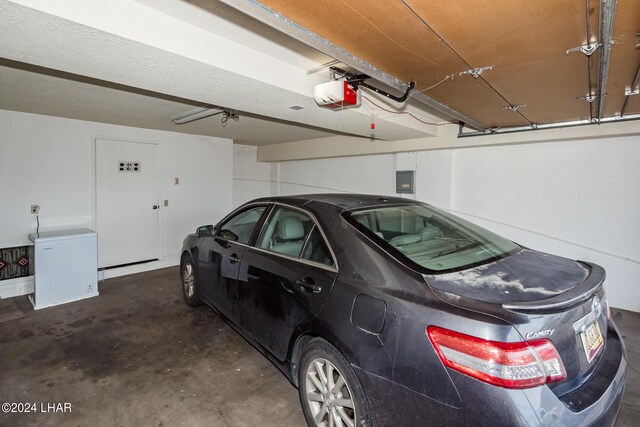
542 296
523 277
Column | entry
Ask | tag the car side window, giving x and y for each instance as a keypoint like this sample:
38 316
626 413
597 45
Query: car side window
285 232
316 249
239 227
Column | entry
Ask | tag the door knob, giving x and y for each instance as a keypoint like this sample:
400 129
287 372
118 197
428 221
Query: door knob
233 259
155 206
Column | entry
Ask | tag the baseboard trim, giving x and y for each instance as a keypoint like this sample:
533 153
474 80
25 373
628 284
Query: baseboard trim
15 287
169 261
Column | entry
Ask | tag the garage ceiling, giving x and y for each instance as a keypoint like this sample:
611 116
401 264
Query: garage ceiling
177 55
173 56
524 42
38 90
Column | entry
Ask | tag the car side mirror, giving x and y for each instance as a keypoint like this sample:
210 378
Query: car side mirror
205 231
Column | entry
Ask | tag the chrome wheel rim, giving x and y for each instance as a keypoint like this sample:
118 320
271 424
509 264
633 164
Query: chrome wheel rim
329 396
188 280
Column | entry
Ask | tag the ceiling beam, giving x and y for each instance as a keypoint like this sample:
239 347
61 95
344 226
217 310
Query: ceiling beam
607 17
268 16
343 146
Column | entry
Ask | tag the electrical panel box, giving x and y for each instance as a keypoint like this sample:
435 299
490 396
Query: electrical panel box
404 182
66 266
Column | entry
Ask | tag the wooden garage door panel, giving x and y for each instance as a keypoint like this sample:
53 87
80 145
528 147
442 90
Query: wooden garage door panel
545 107
387 37
508 32
634 105
526 42
625 58
391 37
478 100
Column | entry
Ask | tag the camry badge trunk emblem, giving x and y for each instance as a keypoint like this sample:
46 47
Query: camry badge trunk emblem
544 333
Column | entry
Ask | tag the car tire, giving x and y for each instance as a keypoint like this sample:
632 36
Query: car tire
319 401
189 281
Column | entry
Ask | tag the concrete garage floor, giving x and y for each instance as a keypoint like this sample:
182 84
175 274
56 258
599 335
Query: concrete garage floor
137 355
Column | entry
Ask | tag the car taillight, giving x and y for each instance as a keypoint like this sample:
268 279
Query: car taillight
510 365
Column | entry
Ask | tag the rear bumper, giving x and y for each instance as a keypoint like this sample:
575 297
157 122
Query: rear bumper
482 404
602 393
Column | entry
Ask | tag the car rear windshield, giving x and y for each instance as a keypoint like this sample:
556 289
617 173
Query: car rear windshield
431 238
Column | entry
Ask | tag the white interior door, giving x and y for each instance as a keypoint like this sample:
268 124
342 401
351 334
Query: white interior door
127 202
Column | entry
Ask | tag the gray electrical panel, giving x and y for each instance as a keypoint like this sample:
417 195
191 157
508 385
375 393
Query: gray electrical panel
404 182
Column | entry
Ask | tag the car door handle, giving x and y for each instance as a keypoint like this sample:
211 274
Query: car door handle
233 259
309 285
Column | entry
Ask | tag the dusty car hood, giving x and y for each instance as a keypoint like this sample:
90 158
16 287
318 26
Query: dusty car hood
525 276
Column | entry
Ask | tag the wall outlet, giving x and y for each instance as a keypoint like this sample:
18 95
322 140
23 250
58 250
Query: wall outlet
166 203
176 181
35 209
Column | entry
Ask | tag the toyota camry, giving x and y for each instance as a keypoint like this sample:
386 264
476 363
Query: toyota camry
390 312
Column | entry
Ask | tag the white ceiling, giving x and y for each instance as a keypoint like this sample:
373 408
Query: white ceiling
141 62
35 90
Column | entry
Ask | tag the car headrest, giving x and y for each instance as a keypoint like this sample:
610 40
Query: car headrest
290 228
405 239
429 232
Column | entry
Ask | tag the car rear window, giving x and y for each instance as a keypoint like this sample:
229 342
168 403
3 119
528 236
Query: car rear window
431 238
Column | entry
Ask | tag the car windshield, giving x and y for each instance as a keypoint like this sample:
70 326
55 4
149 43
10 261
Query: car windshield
431 238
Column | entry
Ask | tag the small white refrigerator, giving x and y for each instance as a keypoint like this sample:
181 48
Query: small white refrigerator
66 266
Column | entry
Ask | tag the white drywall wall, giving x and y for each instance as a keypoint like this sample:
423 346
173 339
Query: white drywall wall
363 174
578 199
49 161
251 179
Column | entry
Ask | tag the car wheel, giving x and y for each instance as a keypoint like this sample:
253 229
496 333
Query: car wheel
330 393
189 282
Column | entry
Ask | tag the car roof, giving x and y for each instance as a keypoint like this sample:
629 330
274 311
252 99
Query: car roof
343 201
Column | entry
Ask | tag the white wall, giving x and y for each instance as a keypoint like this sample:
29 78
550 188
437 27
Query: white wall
251 179
50 161
579 199
365 174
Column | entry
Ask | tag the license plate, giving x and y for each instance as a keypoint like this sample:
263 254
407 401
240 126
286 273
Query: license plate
591 340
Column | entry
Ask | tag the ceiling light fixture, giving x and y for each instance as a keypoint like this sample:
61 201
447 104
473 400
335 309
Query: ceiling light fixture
197 114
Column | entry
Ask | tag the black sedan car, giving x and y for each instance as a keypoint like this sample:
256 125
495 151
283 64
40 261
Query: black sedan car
390 312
